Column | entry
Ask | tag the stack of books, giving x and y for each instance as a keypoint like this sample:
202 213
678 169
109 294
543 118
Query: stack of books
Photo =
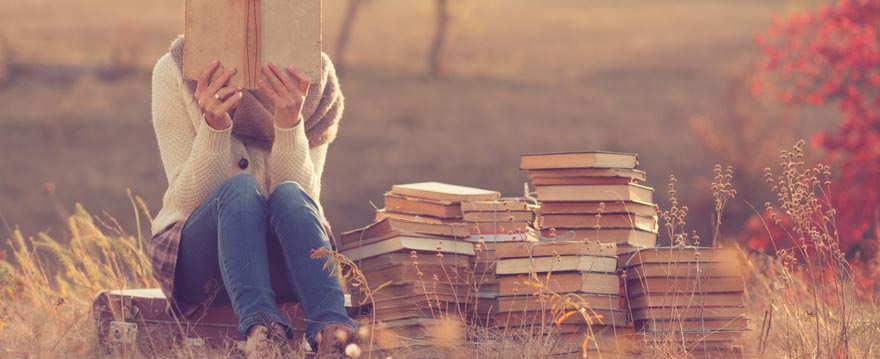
430 202
689 297
570 287
505 218
418 272
594 196
419 267
492 222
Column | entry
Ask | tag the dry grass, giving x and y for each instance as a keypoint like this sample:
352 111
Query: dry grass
803 302
47 293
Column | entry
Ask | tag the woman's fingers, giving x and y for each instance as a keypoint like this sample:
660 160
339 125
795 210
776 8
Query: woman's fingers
268 90
289 84
303 81
225 92
206 75
276 83
228 98
287 90
221 81
231 102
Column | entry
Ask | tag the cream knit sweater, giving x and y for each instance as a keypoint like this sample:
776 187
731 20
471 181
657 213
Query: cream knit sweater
198 158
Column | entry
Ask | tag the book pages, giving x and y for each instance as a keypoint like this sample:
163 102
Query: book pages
291 35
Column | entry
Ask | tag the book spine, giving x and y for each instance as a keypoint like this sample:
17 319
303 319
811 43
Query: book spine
252 44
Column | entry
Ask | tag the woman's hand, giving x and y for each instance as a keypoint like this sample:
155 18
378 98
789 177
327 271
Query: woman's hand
288 91
215 98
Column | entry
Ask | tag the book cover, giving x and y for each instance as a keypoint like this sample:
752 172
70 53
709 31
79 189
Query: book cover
249 34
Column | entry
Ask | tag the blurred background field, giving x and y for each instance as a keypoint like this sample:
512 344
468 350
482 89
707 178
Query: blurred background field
650 77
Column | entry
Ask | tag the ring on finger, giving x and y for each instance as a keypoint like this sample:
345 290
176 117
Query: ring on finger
217 95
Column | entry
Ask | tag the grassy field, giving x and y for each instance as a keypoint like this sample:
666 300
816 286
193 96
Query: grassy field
524 77
811 310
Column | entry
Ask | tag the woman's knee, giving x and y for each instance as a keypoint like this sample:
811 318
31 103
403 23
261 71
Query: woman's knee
291 197
290 192
241 187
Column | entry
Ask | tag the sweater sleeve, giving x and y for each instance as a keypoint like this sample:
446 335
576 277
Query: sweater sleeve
196 160
292 160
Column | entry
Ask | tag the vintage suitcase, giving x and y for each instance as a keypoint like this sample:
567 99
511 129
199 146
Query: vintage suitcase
137 318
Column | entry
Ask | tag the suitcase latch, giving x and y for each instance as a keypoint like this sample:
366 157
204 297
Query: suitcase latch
129 310
194 342
122 332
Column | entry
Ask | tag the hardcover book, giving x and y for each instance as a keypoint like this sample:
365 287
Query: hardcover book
249 34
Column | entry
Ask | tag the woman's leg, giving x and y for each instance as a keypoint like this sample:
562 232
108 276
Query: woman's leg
224 242
297 224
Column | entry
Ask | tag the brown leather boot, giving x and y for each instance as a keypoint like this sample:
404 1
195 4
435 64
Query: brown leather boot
258 344
266 342
332 341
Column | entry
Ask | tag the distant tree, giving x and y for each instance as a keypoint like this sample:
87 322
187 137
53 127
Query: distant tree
352 8
435 57
5 61
436 66
832 56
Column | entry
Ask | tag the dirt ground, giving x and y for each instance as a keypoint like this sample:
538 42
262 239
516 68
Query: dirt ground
525 76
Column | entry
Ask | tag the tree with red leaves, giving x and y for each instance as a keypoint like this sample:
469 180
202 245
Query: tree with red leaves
833 57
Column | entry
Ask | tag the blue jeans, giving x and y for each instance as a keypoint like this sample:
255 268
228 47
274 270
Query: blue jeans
259 250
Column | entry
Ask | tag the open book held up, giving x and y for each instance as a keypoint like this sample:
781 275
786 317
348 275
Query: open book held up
249 34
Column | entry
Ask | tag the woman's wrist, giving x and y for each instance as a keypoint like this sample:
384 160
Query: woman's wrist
218 124
287 122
